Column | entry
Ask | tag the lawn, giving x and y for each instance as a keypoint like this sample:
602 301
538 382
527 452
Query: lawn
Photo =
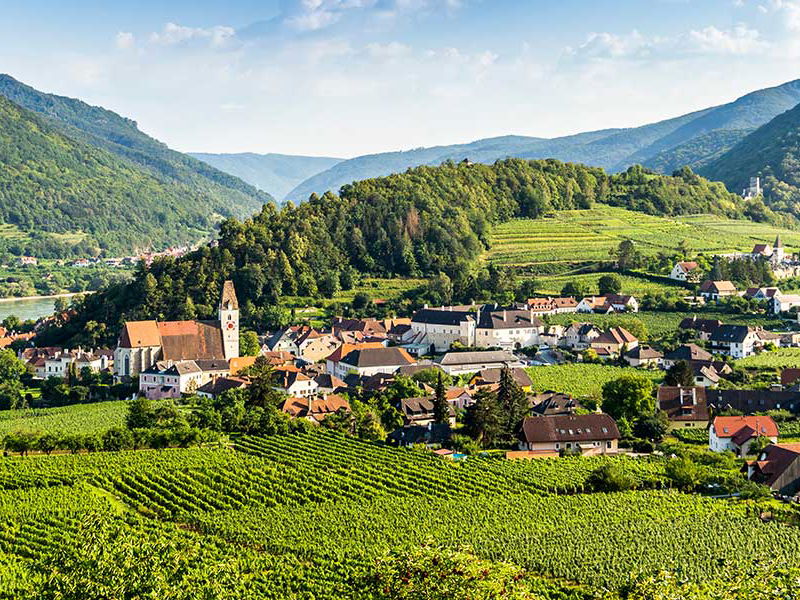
583 379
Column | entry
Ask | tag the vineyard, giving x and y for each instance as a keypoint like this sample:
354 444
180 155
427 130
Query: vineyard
777 359
76 418
307 515
589 235
579 379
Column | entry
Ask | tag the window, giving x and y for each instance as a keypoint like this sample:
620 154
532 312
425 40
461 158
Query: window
558 445
569 445
608 444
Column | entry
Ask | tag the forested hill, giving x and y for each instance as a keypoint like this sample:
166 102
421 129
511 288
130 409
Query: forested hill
772 152
213 192
426 221
64 197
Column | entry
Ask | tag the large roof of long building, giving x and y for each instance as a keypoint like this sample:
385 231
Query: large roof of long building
185 340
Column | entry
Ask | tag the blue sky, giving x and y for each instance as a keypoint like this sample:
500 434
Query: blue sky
347 77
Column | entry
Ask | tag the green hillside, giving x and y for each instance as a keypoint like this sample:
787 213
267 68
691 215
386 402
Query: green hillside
689 139
423 223
68 197
772 152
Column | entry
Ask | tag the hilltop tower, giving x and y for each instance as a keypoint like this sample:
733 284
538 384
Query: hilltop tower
229 320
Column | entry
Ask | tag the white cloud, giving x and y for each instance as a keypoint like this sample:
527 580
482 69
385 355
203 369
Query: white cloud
173 34
739 40
388 51
125 40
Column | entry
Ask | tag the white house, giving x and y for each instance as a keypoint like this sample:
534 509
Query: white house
685 271
737 433
458 363
737 341
371 361
714 290
295 383
578 336
607 304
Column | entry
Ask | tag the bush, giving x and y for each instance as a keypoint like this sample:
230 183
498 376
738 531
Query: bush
610 478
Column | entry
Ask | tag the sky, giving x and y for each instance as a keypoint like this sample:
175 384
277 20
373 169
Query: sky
348 77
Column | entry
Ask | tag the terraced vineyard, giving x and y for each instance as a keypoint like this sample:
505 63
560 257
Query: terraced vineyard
588 235
83 418
306 516
582 379
778 359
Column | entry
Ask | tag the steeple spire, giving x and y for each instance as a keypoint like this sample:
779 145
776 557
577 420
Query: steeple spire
778 242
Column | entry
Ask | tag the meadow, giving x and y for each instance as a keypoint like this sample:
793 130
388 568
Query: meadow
576 236
260 522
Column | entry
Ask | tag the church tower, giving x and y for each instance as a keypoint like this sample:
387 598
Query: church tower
778 252
229 320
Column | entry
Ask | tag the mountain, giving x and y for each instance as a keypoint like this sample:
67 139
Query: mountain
61 196
664 146
215 193
276 174
771 152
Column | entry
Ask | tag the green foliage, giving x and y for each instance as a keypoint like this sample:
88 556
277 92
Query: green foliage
610 478
680 374
582 379
248 344
628 397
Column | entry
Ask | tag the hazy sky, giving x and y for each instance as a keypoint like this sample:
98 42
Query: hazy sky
348 77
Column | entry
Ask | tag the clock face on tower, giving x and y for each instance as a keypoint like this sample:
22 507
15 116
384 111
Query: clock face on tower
230 325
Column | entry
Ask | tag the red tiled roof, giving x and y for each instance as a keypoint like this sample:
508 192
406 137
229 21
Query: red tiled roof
729 427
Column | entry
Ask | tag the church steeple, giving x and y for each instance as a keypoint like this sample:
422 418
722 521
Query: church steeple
778 242
229 320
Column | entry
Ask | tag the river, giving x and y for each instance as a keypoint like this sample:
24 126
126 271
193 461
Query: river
27 308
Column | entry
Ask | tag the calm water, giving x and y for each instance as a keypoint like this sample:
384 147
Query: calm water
27 309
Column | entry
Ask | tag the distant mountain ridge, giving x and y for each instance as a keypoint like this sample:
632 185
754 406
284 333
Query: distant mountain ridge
276 174
692 139
119 135
77 179
771 152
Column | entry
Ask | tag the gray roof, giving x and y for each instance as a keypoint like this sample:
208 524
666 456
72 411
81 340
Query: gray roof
378 357
730 333
435 316
474 358
508 319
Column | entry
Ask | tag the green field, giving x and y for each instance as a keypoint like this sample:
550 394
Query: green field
589 235
261 523
76 418
779 359
582 379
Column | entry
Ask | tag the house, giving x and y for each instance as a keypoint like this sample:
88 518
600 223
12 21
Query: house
688 353
294 383
332 362
143 343
789 376
703 327
440 328
736 341
705 374
491 377
458 363
761 293
545 306
684 406
735 434
578 336
551 404
608 304
328 384
565 305
429 435
753 401
714 290
587 434
783 303
775 254
613 341
370 361
459 397
166 379
318 348
686 271
644 356
59 363
767 337
315 410
778 468
509 329
220 385
420 411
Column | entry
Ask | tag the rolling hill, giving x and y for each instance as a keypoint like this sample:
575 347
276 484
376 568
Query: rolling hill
772 152
691 139
63 197
214 193
276 174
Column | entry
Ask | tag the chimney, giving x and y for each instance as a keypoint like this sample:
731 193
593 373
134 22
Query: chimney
504 314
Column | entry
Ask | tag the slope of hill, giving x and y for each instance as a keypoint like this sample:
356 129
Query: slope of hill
276 174
66 197
772 152
221 192
698 136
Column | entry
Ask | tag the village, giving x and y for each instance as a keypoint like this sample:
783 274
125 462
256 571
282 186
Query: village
438 364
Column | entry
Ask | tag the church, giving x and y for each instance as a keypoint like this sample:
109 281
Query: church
157 347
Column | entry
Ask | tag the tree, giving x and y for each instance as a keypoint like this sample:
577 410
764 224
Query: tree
651 427
628 397
484 418
118 438
574 289
248 344
609 284
47 443
681 373
141 413
683 474
513 403
610 478
627 257
441 407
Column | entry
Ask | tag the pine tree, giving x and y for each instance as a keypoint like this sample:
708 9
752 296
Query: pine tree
441 408
513 402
